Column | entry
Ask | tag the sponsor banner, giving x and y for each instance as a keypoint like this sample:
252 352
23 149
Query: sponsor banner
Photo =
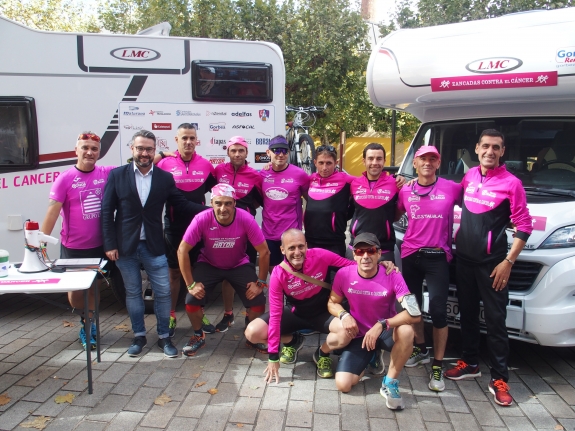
262 158
215 125
499 80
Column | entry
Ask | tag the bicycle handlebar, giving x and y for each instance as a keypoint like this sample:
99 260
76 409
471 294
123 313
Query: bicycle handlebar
306 108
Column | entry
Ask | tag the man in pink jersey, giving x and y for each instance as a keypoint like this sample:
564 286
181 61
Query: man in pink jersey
283 187
426 252
308 308
194 177
248 185
372 321
225 232
76 195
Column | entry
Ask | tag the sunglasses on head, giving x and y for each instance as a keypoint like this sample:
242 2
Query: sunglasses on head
88 136
322 148
278 151
361 251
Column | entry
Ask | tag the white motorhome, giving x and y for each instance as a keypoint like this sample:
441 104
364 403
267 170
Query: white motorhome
515 74
55 85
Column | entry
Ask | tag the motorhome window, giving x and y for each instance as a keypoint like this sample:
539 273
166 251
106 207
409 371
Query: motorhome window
18 137
231 82
540 151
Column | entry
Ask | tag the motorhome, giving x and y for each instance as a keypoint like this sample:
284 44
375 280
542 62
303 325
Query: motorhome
515 74
55 85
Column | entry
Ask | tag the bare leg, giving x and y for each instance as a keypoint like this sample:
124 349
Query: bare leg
337 337
76 298
257 332
196 319
419 335
439 342
344 381
403 346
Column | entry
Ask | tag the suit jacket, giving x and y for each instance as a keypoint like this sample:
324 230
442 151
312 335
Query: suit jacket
123 213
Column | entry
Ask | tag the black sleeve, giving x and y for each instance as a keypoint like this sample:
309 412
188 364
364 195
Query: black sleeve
179 201
210 182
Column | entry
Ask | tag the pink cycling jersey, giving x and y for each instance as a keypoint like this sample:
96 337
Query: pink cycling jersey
282 283
429 210
282 192
370 299
489 202
246 181
81 196
224 246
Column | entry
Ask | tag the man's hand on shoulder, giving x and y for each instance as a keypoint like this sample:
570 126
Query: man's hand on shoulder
389 266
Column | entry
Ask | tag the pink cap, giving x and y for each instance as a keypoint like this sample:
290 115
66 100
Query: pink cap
238 140
426 149
223 189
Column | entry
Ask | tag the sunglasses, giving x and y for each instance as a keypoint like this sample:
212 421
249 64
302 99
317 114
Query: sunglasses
278 151
88 136
329 148
145 149
361 251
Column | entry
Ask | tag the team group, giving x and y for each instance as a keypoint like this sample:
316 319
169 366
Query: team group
317 283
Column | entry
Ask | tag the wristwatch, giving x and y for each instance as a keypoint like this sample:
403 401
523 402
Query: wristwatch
384 324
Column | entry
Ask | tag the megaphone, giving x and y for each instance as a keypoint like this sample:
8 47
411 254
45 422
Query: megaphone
34 258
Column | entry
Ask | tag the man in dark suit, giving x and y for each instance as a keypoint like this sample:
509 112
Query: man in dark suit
132 207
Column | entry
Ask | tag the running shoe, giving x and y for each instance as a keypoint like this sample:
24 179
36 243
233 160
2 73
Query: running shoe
224 324
436 382
390 391
463 371
207 327
307 332
323 365
172 326
138 343
260 347
377 366
194 344
82 337
500 391
289 353
417 358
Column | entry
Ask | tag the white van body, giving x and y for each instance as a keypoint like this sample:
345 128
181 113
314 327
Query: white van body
516 74
55 85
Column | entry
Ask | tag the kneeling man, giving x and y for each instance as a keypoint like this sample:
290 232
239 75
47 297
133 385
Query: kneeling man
225 233
372 322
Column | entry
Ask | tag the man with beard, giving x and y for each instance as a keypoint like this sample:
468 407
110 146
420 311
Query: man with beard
132 209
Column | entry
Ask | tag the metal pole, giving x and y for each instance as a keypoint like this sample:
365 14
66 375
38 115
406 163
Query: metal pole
393 126
341 148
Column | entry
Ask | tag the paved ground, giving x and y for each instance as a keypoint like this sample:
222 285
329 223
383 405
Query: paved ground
41 359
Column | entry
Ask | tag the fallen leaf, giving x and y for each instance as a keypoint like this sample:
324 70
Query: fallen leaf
195 376
68 324
162 400
4 399
243 313
240 425
213 391
68 398
559 427
122 327
254 387
236 337
39 423
200 384
290 384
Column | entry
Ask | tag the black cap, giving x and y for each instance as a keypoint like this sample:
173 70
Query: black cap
366 238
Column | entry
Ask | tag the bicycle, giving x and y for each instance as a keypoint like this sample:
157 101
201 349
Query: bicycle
301 145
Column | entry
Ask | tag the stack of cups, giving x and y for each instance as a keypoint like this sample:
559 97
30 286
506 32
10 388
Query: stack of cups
4 258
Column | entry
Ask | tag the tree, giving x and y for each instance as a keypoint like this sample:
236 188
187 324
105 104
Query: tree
54 15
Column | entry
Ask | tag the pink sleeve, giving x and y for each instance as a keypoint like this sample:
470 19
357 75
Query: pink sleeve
335 259
255 235
59 190
400 205
458 193
519 212
193 233
304 181
276 296
336 287
399 286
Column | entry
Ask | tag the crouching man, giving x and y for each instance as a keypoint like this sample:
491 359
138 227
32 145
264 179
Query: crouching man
372 322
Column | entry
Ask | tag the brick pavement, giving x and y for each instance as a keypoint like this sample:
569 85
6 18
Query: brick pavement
40 358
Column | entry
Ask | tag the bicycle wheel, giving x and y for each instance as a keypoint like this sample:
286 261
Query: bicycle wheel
290 138
307 148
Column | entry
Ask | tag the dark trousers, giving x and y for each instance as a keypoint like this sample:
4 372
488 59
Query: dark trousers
473 285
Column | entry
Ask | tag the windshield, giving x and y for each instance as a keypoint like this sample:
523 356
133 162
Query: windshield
540 152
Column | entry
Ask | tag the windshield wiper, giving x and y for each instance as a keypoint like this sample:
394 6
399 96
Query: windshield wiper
551 192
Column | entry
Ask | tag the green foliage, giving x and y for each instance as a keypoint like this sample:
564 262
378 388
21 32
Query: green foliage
54 15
